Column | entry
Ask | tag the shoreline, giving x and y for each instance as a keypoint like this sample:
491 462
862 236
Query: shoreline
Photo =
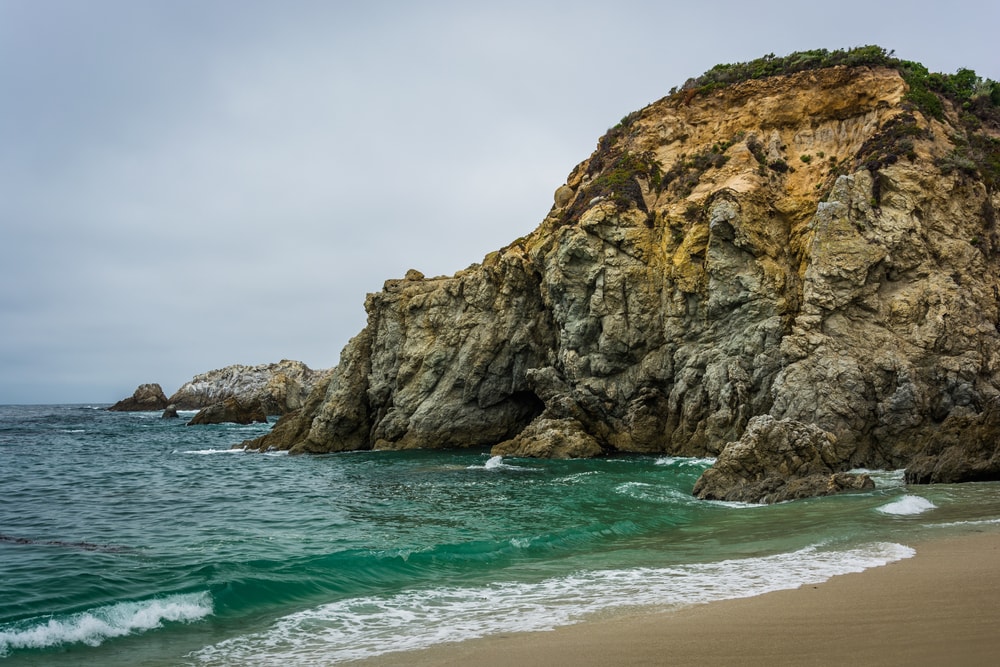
942 606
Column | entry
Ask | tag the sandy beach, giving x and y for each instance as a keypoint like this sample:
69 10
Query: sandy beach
941 607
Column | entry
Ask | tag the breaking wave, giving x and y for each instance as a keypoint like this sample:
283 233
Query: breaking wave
94 626
363 627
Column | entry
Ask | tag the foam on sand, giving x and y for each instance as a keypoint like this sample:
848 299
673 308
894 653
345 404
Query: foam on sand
364 627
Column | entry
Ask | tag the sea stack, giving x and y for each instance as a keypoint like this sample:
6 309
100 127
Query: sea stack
147 397
811 238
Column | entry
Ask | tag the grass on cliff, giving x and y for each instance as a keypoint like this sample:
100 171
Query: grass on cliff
970 92
618 174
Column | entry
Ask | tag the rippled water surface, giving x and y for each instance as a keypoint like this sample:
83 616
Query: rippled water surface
129 539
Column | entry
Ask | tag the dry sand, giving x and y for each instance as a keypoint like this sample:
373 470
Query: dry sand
941 607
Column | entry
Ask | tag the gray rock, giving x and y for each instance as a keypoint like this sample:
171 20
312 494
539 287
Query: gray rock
965 449
147 397
232 411
778 460
563 195
280 388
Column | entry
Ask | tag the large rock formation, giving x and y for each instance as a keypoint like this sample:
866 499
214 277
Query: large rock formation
146 397
808 246
280 387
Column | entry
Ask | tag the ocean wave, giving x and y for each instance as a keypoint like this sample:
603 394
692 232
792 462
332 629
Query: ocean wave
884 479
205 452
497 463
576 478
94 626
684 461
364 627
907 506
654 493
966 524
734 504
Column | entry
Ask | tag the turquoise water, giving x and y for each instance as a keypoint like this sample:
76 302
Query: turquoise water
128 539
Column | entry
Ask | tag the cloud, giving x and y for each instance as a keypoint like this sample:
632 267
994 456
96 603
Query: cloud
189 185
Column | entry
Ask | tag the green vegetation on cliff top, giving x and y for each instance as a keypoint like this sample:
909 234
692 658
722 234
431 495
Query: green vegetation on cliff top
976 100
618 172
972 93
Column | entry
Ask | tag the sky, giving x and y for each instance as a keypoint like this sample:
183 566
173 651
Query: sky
186 185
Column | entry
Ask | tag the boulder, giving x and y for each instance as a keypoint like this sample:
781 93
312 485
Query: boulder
231 410
778 460
563 195
147 397
551 439
170 412
965 449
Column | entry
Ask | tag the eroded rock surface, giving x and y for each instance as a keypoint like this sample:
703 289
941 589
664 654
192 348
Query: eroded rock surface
777 460
964 449
231 410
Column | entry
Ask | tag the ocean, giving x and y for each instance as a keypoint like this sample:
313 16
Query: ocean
127 539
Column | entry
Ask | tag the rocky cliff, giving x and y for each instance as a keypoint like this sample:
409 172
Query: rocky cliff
812 246
280 387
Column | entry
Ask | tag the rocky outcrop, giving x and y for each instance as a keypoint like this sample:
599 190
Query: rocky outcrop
231 410
800 247
280 387
777 460
170 412
147 397
965 448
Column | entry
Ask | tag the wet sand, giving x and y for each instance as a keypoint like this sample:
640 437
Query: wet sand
941 607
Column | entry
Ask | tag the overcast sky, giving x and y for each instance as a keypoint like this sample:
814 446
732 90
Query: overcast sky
188 185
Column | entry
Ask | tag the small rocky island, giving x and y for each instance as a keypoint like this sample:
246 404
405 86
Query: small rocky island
145 398
237 394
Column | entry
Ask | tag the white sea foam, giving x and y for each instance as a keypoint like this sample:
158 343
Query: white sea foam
577 477
884 479
205 452
364 627
276 452
497 463
654 493
735 504
684 461
965 524
94 626
907 506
